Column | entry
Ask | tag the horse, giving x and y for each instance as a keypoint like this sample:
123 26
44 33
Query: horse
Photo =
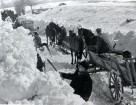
88 38
76 46
52 31
73 43
62 35
87 35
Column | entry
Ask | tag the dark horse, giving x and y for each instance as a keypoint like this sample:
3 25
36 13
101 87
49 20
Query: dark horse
76 46
52 31
87 35
88 38
73 43
62 35
63 40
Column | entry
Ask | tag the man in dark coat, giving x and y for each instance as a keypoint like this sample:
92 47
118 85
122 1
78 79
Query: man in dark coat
37 41
81 80
38 45
103 44
40 63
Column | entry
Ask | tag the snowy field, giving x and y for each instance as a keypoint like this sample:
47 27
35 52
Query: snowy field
111 17
20 81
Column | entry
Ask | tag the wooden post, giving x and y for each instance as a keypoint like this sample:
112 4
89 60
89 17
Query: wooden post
129 74
133 68
45 66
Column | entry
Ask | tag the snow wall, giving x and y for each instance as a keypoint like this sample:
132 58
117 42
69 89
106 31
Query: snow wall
20 81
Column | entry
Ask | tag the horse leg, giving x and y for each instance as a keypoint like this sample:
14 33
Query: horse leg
76 57
56 39
79 55
47 40
51 41
71 57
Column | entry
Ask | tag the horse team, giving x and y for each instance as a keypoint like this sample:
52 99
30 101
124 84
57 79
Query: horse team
71 40
58 35
76 42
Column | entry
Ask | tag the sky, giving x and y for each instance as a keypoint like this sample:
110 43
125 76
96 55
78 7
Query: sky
8 1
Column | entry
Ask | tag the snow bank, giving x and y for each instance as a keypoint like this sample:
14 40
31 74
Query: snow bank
17 63
100 80
127 42
52 90
90 16
20 81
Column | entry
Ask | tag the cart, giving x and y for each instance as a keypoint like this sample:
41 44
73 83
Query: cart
121 73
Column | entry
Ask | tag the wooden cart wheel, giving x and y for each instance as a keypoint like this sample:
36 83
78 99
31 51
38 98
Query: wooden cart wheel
115 86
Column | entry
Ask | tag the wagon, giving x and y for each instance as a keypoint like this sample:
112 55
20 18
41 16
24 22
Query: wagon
26 23
120 73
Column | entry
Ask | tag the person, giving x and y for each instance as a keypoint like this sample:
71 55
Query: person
34 31
40 64
38 28
81 80
37 41
127 54
39 45
103 44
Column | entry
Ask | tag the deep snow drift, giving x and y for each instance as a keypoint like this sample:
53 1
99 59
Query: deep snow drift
20 81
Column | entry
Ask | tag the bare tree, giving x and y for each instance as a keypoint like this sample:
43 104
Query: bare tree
30 3
20 7
2 4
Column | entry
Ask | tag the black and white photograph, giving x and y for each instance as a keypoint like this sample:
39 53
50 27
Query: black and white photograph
67 52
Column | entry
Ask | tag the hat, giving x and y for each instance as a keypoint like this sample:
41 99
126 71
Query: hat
98 30
84 64
35 33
